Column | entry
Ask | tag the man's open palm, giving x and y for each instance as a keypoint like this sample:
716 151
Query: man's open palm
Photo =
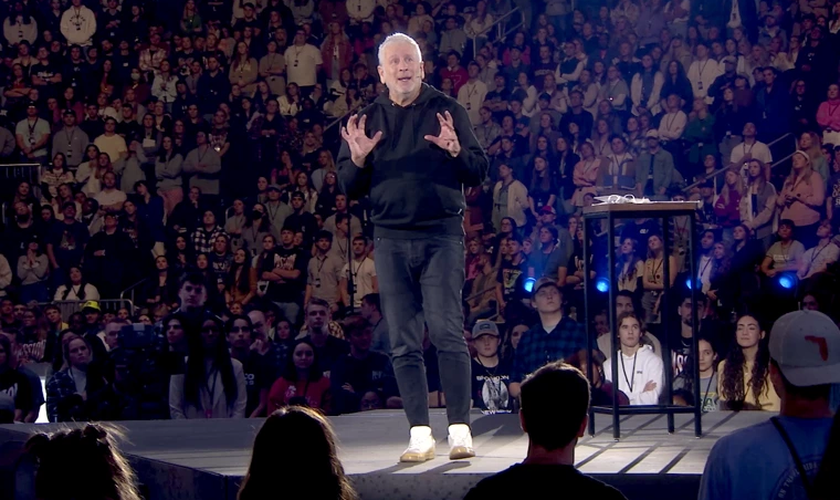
360 144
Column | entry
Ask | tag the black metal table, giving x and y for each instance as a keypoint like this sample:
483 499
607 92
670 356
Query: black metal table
663 212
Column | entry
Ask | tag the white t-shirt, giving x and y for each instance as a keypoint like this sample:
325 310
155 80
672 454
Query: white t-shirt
114 146
363 274
301 64
471 95
108 198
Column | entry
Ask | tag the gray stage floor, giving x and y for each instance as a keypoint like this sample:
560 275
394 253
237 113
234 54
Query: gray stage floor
205 459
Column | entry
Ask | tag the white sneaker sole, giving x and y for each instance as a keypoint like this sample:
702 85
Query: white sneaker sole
414 457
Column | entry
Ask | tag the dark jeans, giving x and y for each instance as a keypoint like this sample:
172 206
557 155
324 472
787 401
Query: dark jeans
417 276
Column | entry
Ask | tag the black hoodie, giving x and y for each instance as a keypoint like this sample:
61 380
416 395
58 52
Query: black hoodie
415 187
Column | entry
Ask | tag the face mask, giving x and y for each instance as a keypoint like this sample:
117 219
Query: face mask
135 76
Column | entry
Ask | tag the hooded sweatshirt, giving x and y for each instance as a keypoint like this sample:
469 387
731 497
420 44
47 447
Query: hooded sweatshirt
638 370
416 188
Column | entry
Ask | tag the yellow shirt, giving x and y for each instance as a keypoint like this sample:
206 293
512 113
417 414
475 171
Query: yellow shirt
768 400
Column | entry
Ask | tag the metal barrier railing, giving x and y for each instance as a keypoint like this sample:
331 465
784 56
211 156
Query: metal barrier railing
499 25
68 307
729 165
130 293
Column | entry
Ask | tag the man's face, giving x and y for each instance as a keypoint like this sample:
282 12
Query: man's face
324 245
623 305
769 77
362 339
287 237
341 203
548 300
109 180
209 219
112 334
19 311
402 68
7 308
708 241
316 318
685 312
192 295
359 248
297 202
602 324
809 303
258 323
110 126
239 336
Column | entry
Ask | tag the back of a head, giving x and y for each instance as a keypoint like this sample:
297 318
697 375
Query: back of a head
97 471
550 421
294 443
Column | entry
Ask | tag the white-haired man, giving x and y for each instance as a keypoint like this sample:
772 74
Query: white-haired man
413 151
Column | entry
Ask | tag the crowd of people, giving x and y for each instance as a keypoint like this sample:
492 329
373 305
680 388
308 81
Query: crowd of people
183 155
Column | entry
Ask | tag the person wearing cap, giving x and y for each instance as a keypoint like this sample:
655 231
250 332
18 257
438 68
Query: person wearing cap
729 64
70 140
555 337
415 179
654 169
32 135
490 374
786 450
802 198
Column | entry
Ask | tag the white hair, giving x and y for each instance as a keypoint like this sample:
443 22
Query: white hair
398 38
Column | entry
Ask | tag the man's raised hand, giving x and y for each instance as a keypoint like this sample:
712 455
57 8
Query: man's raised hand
447 139
360 144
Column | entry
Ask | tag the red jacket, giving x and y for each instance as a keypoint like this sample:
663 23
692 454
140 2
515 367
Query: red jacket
459 77
316 394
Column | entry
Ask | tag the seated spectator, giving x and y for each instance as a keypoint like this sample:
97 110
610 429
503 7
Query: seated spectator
684 384
816 259
15 392
490 371
602 390
67 389
99 471
77 288
214 385
648 387
362 371
803 365
33 271
555 336
303 383
16 364
743 377
553 426
306 430
258 380
319 333
786 254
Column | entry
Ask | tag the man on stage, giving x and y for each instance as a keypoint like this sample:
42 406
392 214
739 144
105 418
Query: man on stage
413 151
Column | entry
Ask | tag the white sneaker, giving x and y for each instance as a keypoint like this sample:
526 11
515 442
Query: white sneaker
421 446
460 442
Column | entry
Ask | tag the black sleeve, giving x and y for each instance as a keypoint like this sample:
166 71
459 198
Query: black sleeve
23 399
472 162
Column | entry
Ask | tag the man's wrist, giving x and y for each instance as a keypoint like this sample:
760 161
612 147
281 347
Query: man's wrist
359 162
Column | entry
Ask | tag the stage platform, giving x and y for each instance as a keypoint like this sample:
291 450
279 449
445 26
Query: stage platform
206 459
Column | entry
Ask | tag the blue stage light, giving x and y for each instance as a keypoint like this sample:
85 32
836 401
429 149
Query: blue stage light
787 281
528 284
602 285
688 283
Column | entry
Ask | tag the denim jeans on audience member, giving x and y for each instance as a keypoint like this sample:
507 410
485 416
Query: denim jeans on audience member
418 276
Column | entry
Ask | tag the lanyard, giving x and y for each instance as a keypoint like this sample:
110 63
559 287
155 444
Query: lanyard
705 266
817 254
708 388
800 468
632 379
